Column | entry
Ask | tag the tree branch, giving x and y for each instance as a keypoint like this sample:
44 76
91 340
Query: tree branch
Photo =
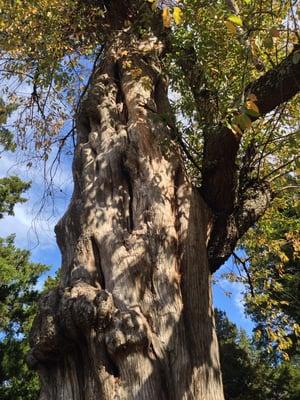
228 229
277 85
235 208
243 264
219 181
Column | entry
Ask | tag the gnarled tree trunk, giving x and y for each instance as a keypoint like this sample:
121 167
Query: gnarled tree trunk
133 316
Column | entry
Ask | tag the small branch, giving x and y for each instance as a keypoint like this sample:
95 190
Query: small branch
187 153
295 21
278 169
286 188
90 79
243 264
36 100
267 142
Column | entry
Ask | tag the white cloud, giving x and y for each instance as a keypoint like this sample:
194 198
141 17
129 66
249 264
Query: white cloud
236 289
35 229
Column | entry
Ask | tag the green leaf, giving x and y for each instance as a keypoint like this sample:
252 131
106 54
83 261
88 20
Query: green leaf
235 19
243 121
268 42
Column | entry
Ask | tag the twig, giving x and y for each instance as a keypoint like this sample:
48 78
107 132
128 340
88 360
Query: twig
90 79
278 169
243 264
286 188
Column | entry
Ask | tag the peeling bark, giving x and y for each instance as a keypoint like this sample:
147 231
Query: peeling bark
133 317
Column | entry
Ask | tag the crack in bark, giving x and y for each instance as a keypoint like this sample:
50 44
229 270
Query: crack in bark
178 177
120 97
130 219
98 264
110 365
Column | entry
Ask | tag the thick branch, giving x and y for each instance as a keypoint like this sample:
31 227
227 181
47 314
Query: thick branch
219 179
228 229
278 85
234 214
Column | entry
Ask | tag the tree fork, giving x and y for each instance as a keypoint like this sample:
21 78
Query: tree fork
133 317
235 208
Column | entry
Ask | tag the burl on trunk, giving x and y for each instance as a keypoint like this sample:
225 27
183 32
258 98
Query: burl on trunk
132 318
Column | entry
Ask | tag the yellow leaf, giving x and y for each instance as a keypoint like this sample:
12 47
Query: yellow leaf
272 335
230 27
177 15
296 329
235 19
250 105
166 17
285 356
258 334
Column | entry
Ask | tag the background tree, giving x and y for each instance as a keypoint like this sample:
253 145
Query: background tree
158 204
247 372
272 276
18 304
239 371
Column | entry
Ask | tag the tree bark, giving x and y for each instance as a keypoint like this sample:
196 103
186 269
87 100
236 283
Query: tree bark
132 318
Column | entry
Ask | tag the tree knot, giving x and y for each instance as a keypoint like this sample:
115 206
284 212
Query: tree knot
128 331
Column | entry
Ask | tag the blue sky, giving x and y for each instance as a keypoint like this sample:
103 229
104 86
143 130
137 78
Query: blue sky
36 232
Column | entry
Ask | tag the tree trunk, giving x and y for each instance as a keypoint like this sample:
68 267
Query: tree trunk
133 316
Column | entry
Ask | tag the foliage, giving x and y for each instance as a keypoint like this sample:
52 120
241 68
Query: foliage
274 267
247 373
227 61
11 189
238 369
18 301
52 281
44 49
6 137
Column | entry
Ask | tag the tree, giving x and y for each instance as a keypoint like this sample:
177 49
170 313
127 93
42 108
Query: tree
158 204
18 304
18 277
272 298
239 371
247 373
10 193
